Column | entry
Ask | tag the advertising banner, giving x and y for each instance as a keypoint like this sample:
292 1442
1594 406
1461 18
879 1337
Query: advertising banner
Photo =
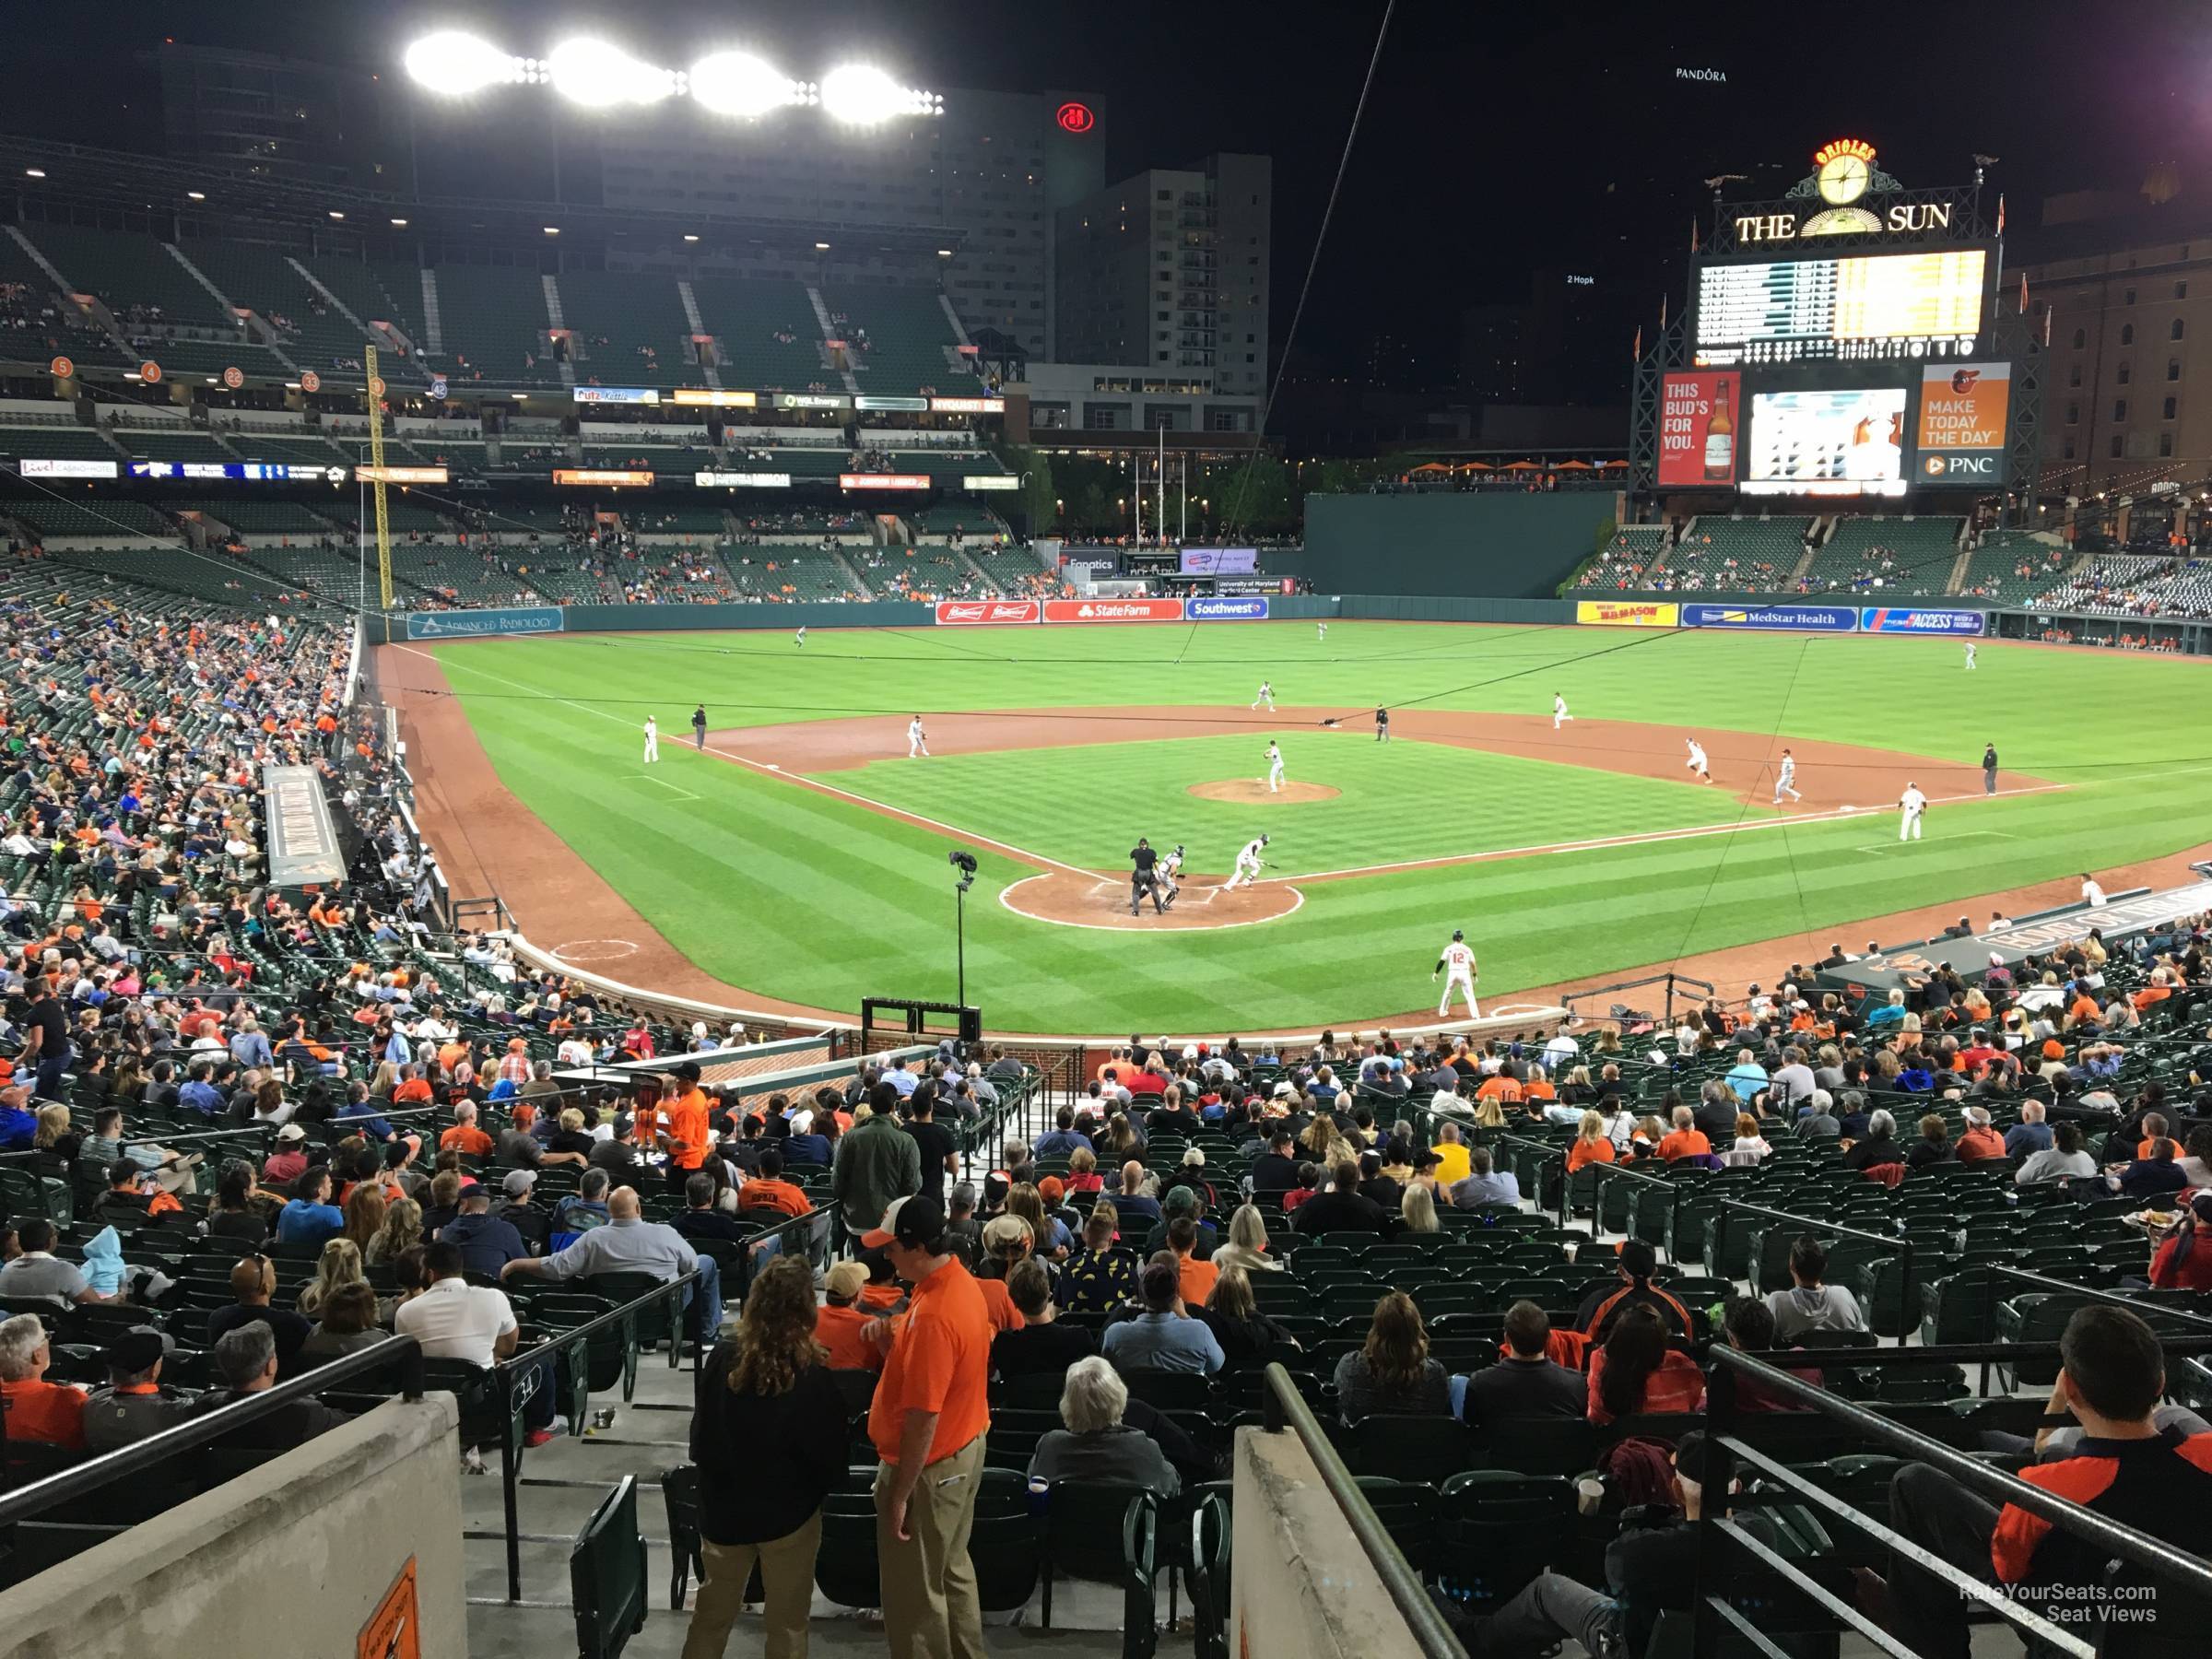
710 397
882 481
1922 621
1113 610
741 480
615 394
1611 613
1962 412
812 400
1244 609
303 842
978 612
912 406
1220 561
581 475
1700 416
66 469
483 624
401 474
967 406
1801 618
981 482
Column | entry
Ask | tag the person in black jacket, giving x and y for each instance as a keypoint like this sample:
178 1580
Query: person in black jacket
1247 1336
1042 1343
1527 1382
1341 1209
1274 1171
768 1439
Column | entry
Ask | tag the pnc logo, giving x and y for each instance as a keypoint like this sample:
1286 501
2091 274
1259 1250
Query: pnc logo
1933 466
1074 117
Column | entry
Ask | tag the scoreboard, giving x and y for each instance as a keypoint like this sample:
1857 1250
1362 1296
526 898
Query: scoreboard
1857 308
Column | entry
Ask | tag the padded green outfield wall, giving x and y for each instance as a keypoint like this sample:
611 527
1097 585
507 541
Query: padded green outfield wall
1497 544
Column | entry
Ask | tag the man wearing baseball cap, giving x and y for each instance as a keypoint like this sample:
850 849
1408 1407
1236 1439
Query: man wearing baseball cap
684 1121
928 1422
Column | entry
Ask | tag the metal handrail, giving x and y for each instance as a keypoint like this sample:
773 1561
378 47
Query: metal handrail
25 1502
1286 1408
2096 1293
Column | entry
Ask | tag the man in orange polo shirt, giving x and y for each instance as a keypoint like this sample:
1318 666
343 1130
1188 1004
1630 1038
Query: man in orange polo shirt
928 1422
684 1122
36 1410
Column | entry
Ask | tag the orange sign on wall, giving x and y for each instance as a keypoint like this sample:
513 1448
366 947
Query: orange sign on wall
393 1631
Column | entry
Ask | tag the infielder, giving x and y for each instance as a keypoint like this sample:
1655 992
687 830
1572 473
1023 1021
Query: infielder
800 640
917 741
1274 770
1911 804
1698 762
1989 769
1558 711
1786 783
1381 724
653 739
698 727
1248 863
1459 957
1266 696
1970 656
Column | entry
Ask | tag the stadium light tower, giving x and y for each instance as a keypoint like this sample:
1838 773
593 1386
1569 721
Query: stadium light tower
600 76
738 83
456 63
863 95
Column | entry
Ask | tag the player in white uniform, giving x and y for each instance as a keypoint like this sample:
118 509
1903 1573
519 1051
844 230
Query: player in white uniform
1911 804
1970 656
1170 872
1274 770
1323 634
1698 763
1459 957
1248 863
2092 894
917 742
653 739
1558 711
1266 696
1785 781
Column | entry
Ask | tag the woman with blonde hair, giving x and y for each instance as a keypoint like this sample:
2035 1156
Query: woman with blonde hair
1317 1138
768 1439
54 1124
383 1080
340 1264
1051 1241
1392 1372
402 1230
1247 1245
1593 1143
1489 1114
1083 1177
1416 1210
365 1210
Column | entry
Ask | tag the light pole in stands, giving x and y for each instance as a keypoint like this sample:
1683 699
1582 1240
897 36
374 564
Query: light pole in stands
965 863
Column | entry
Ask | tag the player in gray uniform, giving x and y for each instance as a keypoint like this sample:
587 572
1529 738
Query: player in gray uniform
1785 781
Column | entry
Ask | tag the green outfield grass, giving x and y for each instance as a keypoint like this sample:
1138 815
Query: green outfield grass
775 886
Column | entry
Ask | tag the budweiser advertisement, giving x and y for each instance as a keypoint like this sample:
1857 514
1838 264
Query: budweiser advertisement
976 613
1699 418
1113 610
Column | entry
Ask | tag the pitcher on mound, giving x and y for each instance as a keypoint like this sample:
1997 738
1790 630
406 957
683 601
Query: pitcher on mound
1459 958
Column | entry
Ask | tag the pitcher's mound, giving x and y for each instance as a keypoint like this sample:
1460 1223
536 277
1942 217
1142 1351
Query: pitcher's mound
1256 793
1079 901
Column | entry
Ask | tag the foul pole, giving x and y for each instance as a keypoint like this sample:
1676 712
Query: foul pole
376 460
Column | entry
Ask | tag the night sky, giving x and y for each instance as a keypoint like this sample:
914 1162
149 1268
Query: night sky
1500 144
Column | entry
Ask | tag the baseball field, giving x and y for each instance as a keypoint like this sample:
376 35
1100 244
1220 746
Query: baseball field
802 854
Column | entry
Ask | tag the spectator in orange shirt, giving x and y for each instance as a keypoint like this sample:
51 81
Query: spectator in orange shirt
1979 1140
768 1190
414 1088
1686 1139
840 1324
465 1137
1538 1087
1635 1372
2157 991
1592 1145
1499 1088
36 1409
684 1121
1194 1278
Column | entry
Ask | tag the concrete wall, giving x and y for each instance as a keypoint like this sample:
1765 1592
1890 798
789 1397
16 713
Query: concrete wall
1301 1588
1498 544
290 1560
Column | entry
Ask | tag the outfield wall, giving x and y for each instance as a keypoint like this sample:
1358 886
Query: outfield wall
1498 544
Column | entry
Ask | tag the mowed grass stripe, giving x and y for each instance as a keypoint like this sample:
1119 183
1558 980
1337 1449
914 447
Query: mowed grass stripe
769 885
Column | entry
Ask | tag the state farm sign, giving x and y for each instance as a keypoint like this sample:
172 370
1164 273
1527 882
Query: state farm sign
1113 610
971 613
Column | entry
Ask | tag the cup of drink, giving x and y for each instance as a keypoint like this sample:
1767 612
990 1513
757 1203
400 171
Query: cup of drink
1039 1490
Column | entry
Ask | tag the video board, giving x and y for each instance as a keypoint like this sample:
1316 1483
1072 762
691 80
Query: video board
1851 308
1848 442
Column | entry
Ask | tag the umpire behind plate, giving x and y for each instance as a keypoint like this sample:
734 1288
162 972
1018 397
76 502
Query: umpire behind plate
1144 877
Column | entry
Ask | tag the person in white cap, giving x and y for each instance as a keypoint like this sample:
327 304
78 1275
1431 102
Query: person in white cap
1274 768
1911 804
1459 957
653 738
1248 863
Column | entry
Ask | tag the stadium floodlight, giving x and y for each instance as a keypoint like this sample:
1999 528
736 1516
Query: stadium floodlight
738 83
34 173
863 95
455 63
601 76
195 195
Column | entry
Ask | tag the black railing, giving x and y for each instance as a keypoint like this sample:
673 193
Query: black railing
1284 1407
2132 1303
1724 1449
27 1501
1907 1282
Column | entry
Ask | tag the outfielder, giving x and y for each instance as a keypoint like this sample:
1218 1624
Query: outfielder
1248 863
1274 770
1970 656
1911 804
917 741
1322 636
653 739
1266 696
1785 781
1698 762
1558 711
800 640
1459 957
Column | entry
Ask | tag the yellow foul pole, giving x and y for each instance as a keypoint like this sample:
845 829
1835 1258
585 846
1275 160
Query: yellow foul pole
376 459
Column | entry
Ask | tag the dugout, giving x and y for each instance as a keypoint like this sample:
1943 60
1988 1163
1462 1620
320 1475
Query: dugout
1496 544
